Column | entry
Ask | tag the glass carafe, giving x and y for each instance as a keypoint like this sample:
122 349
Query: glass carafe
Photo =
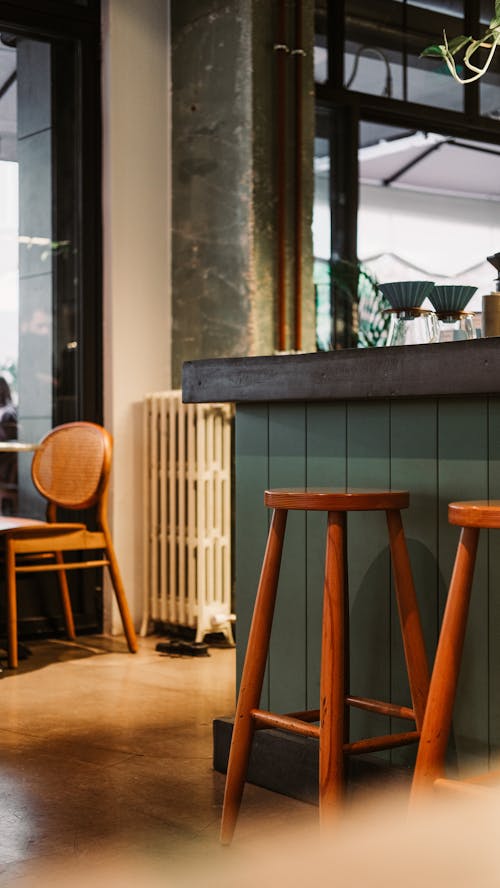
456 325
412 326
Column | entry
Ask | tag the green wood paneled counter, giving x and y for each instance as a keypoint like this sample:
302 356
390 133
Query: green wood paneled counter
425 418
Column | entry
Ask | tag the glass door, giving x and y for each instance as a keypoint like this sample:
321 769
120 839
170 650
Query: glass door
41 360
50 269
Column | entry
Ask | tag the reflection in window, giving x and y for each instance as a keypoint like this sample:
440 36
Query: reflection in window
321 230
383 46
320 43
39 262
489 89
373 58
428 207
9 219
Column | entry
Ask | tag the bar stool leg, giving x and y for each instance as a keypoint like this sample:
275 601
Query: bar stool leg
332 682
253 675
409 618
438 715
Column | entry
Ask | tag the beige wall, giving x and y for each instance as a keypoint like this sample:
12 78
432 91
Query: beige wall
136 198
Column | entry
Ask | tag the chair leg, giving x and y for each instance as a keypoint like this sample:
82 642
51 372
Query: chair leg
121 598
65 599
253 675
10 582
332 681
439 711
409 617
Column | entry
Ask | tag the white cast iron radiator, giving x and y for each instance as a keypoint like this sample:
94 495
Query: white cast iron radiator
187 480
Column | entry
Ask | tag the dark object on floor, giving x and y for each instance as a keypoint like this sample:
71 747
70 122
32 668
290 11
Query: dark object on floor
183 648
187 633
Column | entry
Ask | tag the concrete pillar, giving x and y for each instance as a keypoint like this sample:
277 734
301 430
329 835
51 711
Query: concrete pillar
224 245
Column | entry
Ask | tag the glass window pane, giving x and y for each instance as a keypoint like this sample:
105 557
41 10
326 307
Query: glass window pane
429 207
487 9
9 229
335 276
489 84
489 88
320 42
39 272
444 7
373 57
429 81
384 44
321 230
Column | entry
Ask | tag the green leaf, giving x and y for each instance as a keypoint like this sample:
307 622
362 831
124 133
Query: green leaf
458 43
436 51
495 22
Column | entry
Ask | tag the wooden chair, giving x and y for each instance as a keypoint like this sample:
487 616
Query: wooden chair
71 470
429 770
335 698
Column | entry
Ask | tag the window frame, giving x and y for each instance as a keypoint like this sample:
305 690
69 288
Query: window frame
45 20
350 107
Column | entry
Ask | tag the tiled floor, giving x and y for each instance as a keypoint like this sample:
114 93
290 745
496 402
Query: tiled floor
102 751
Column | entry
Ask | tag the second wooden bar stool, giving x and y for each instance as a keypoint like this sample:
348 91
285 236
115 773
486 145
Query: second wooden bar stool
471 516
334 694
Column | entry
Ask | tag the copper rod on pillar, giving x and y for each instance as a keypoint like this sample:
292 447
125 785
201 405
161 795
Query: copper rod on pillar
298 53
281 50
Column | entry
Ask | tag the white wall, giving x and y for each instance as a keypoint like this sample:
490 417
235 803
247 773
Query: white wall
136 197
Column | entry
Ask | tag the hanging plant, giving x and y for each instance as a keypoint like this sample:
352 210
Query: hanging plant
466 47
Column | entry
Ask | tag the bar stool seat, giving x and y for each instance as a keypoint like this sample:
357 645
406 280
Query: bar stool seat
328 499
335 699
429 772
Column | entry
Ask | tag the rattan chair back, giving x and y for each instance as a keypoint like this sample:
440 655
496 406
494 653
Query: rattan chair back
71 467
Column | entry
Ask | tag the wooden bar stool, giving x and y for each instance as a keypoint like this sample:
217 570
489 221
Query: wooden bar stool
334 694
430 765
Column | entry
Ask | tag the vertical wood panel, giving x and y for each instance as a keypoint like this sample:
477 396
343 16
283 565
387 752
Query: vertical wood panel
414 468
463 474
494 584
287 468
439 451
251 468
368 465
326 466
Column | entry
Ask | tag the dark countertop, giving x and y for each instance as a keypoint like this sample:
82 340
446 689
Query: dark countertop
448 368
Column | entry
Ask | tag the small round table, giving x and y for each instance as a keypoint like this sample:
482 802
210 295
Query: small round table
17 447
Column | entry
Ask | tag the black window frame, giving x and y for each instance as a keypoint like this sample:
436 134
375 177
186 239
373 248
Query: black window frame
347 107
58 20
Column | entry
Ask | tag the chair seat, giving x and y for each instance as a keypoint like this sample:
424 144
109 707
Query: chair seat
330 499
475 513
